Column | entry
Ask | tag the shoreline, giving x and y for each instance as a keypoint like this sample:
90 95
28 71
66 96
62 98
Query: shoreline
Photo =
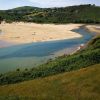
31 32
8 43
35 59
93 28
94 31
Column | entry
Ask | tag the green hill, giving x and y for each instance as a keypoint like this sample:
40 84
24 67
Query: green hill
73 14
25 8
83 84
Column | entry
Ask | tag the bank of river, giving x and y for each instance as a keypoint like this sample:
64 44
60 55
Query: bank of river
34 54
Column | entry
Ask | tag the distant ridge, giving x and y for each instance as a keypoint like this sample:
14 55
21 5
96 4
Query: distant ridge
72 14
32 7
25 8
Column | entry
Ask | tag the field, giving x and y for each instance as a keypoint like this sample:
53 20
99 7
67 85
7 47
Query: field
77 85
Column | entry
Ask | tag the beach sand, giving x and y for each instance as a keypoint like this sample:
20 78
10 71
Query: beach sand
94 28
32 32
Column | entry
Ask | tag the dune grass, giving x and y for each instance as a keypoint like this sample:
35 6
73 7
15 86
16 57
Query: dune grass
83 84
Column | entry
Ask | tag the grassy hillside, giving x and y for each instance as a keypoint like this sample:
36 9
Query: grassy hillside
81 59
74 14
83 84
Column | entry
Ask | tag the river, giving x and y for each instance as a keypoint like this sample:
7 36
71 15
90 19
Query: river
33 54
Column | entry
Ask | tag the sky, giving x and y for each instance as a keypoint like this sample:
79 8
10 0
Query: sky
9 4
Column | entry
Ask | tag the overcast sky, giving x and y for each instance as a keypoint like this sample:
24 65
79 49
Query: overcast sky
8 4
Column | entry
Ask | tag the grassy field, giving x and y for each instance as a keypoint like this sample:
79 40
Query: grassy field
83 84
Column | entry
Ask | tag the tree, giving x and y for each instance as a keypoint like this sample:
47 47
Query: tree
18 70
1 19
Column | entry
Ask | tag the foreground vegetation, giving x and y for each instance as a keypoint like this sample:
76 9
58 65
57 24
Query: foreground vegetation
81 59
74 14
83 84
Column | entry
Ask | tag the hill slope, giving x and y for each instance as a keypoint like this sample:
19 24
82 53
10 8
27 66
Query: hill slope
83 84
73 14
82 59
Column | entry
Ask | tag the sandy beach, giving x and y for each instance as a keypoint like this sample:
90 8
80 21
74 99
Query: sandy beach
32 32
94 28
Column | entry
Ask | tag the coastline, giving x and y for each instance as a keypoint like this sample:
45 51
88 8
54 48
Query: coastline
6 41
94 31
33 55
93 28
21 33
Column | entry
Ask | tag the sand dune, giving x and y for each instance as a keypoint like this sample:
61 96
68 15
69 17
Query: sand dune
31 32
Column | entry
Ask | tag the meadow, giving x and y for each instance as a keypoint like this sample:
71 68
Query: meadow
83 84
